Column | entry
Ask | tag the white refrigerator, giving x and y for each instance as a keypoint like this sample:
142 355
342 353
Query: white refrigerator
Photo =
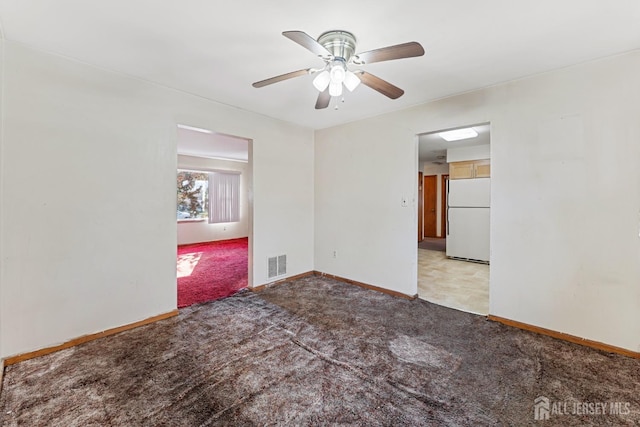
468 207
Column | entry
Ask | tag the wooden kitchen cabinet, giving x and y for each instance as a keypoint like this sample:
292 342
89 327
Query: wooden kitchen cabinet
470 169
482 168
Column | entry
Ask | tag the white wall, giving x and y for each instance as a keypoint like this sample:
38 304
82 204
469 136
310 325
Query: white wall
565 220
88 196
476 152
359 212
202 231
2 62
429 168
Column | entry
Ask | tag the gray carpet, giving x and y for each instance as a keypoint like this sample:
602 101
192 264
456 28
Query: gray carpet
433 244
318 352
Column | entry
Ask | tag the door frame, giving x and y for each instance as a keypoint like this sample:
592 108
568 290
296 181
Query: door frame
420 207
444 179
249 201
443 204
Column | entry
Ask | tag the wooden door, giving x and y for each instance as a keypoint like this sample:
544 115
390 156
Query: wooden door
429 190
420 209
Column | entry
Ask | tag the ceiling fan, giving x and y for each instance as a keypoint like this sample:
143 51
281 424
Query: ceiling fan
337 49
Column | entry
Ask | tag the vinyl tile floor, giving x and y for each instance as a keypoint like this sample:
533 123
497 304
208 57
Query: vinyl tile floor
452 283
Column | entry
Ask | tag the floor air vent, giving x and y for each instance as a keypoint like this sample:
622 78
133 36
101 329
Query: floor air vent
277 266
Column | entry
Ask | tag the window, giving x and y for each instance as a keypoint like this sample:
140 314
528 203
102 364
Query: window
193 195
212 196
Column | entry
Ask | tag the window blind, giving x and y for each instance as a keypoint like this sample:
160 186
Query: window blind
224 197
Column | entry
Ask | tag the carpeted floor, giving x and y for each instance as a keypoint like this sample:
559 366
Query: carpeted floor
318 352
211 270
433 244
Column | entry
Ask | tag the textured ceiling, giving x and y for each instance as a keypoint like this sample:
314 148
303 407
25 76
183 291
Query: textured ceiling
217 49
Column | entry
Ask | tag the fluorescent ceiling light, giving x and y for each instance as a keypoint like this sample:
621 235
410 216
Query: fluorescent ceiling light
194 129
458 134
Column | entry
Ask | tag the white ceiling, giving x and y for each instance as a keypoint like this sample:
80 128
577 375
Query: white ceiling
217 49
212 145
432 148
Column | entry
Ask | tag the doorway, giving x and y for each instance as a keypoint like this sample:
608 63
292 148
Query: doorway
445 278
430 189
214 214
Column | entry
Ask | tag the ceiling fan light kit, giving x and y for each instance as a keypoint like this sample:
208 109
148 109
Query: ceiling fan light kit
335 88
322 80
351 81
337 49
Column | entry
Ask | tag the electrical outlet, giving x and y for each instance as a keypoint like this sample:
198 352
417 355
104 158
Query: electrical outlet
335 254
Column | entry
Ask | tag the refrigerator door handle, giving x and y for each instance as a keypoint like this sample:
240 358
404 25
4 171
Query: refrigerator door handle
447 182
448 228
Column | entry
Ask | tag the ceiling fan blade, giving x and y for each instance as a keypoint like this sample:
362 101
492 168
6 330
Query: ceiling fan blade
308 42
382 86
323 99
399 51
281 77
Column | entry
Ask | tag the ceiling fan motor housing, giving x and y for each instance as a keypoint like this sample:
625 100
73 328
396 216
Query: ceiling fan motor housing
341 44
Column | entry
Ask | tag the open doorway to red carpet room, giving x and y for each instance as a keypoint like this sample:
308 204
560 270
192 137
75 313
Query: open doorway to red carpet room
213 211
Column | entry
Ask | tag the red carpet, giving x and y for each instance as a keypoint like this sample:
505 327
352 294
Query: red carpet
212 270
